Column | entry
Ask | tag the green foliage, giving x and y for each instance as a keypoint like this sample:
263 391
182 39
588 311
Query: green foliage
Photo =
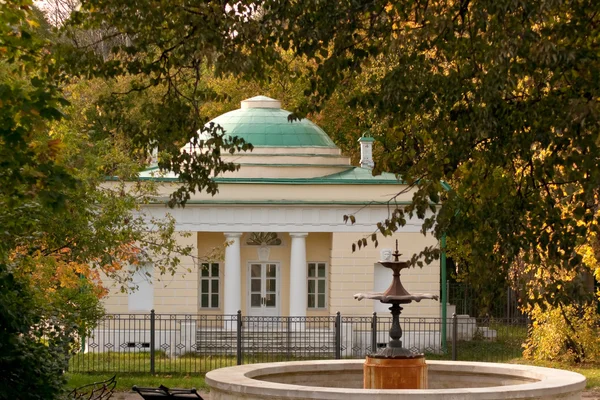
139 362
60 227
565 334
159 90
29 102
497 98
34 341
32 350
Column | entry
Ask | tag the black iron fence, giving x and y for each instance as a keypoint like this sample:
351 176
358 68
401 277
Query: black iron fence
467 300
174 343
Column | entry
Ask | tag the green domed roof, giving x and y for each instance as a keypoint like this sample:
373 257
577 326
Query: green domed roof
263 123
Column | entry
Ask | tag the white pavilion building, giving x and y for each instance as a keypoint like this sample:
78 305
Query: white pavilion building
289 250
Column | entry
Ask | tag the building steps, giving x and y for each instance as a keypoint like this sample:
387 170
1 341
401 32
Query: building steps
299 343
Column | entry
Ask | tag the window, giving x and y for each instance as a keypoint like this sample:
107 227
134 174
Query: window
209 285
317 284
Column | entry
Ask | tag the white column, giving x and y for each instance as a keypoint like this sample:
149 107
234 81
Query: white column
298 278
232 275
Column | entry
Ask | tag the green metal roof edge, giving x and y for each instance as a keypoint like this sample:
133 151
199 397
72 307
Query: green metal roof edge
293 165
287 181
289 147
383 177
290 202
366 139
249 154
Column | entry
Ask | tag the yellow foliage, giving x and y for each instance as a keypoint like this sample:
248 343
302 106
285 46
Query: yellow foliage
568 334
54 272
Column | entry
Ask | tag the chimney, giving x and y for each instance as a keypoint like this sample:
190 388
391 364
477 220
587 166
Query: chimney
366 151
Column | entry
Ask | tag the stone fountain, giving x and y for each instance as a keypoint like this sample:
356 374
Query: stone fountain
395 367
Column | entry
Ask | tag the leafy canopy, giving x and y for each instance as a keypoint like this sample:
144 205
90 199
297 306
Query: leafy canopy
61 229
498 98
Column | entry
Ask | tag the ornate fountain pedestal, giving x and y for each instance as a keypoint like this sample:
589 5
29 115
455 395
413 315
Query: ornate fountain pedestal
395 373
395 367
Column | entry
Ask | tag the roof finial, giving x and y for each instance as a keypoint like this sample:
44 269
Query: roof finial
261 102
396 254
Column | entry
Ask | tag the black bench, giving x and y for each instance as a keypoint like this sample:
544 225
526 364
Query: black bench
94 391
163 392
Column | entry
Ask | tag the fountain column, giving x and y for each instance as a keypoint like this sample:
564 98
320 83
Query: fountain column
395 367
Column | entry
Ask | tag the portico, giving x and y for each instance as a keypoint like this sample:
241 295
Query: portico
264 278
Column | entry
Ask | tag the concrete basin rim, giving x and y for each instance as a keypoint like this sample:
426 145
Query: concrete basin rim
242 379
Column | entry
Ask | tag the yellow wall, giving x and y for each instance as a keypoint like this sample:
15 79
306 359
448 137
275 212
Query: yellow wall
176 293
348 273
209 243
354 273
318 249
115 302
303 193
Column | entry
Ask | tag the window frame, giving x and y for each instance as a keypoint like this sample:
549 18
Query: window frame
316 279
210 278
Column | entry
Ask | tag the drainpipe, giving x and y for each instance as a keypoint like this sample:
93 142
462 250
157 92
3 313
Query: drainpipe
82 332
444 294
444 278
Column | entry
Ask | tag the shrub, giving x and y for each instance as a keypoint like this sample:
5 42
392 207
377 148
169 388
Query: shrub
565 333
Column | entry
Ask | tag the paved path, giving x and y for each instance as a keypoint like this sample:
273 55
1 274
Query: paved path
135 396
587 395
591 394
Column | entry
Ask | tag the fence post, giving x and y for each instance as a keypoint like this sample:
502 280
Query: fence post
454 335
289 338
152 339
508 302
239 337
338 336
374 333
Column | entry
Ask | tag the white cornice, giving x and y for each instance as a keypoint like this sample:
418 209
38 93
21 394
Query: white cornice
231 218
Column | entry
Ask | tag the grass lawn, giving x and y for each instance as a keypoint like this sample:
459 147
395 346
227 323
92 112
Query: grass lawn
126 380
590 371
187 371
139 362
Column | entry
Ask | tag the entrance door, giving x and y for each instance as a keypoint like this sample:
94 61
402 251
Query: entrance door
263 293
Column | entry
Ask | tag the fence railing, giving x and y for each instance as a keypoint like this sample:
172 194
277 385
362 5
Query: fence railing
468 301
174 343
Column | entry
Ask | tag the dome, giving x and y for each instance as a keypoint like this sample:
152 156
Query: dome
261 122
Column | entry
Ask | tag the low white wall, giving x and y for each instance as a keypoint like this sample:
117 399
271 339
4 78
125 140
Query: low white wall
338 380
179 337
171 341
356 343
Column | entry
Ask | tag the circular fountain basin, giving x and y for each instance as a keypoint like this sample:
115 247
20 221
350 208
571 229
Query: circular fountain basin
343 380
